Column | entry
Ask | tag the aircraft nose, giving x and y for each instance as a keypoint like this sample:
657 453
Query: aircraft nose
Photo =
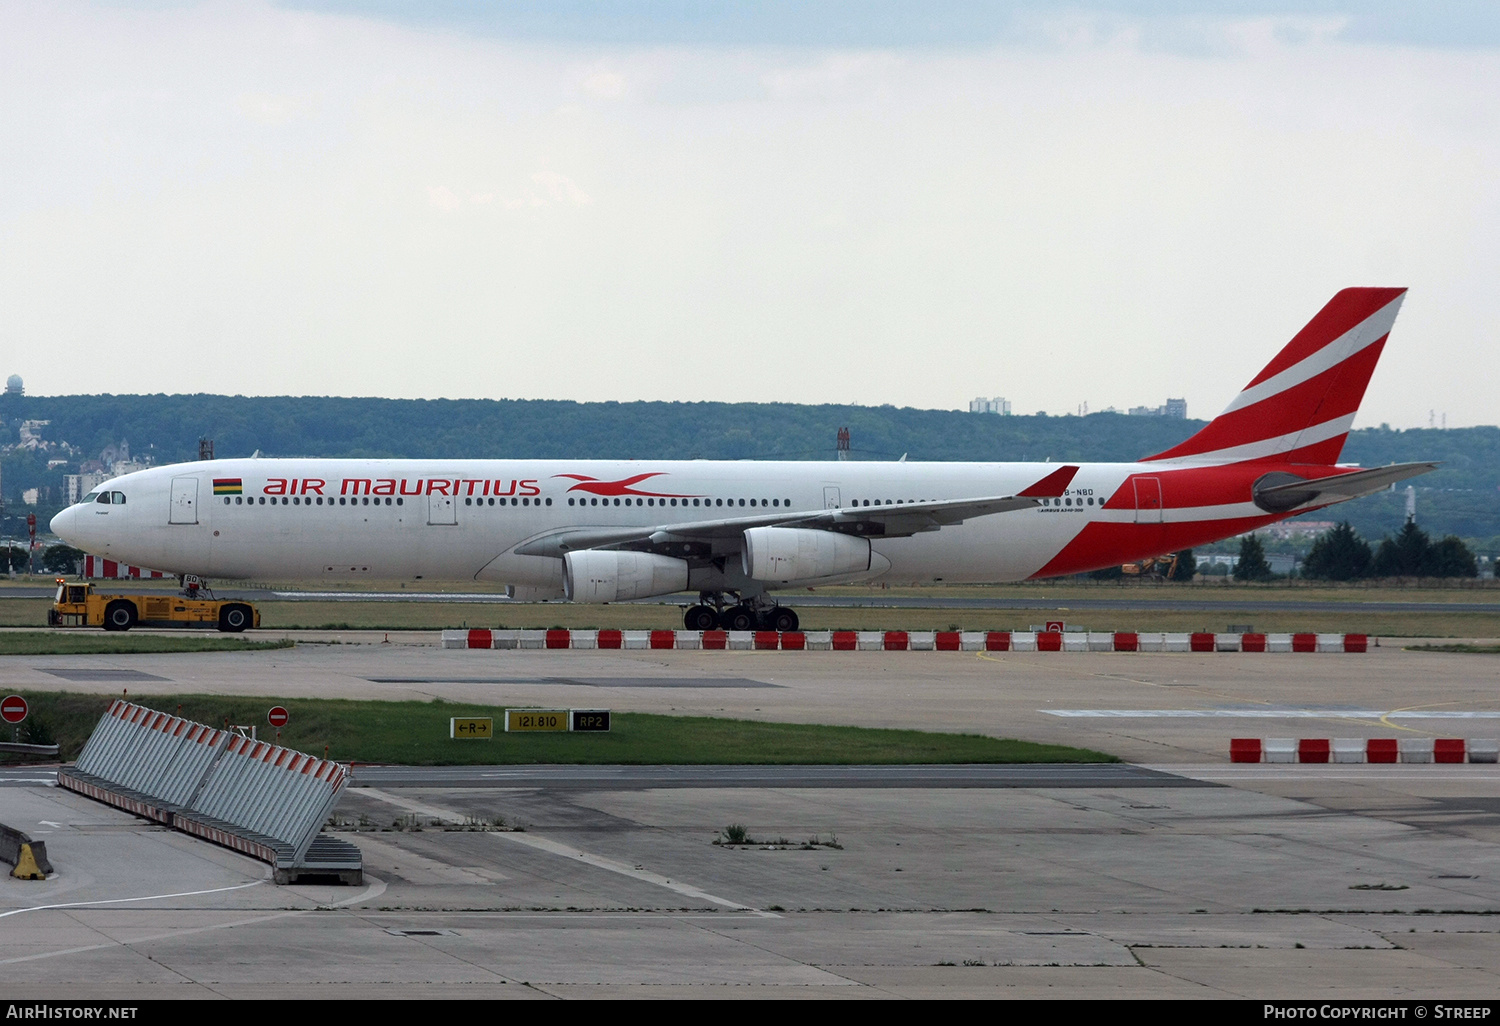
65 525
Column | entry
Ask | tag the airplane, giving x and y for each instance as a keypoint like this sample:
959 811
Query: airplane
738 532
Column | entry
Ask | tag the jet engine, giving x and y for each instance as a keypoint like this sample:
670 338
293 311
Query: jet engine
786 554
596 575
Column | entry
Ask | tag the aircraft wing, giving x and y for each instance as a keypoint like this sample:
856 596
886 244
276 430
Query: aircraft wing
893 520
1279 492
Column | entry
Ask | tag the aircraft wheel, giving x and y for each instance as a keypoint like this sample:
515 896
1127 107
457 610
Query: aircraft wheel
781 619
738 618
700 618
119 616
234 619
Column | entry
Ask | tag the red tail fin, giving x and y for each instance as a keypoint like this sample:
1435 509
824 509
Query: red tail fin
1299 408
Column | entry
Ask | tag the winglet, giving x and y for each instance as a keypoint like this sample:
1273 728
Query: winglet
1051 486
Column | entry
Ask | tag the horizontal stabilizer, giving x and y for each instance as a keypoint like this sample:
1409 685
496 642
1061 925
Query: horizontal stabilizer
1280 492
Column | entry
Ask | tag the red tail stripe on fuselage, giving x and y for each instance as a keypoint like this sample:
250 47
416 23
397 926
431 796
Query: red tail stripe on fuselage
1101 543
1199 487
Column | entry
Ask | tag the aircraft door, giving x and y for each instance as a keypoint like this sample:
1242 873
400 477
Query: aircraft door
441 509
831 498
1148 504
184 509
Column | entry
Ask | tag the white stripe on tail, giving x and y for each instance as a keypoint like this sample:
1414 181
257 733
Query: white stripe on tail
1299 408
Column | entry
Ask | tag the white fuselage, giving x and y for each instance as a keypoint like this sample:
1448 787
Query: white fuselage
341 519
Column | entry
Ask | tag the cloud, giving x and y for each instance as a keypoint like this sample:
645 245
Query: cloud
561 188
340 204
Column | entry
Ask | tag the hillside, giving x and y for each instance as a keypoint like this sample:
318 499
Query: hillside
1460 498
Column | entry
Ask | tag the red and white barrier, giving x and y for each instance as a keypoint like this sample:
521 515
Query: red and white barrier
1416 750
108 569
906 641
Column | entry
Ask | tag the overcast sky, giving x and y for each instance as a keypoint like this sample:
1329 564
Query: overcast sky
869 202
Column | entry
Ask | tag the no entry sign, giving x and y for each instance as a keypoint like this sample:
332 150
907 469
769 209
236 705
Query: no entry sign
278 716
13 709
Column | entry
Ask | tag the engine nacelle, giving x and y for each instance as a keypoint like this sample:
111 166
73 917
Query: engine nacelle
786 554
595 575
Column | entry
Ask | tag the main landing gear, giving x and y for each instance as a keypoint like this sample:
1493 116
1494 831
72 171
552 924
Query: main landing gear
714 612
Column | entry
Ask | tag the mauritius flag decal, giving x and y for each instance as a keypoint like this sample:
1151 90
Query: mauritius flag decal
227 486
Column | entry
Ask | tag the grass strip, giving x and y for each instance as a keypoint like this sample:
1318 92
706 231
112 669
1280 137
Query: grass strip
416 734
103 643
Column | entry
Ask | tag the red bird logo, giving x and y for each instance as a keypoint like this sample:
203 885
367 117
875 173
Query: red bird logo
594 486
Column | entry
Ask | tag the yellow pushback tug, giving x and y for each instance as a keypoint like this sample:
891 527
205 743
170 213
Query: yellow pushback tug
79 605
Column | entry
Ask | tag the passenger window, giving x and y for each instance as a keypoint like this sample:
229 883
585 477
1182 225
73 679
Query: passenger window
742 502
549 502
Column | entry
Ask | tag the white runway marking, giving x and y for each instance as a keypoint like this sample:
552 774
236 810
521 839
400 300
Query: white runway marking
1275 714
567 851
121 901
644 875
1385 773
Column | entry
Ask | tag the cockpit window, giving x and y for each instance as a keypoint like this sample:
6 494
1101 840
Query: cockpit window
103 498
89 497
119 498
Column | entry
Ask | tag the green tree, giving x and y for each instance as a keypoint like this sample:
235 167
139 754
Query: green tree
14 556
1406 555
62 559
1252 565
1338 555
1451 558
1186 566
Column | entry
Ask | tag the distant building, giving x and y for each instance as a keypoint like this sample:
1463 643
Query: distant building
1174 408
1298 529
79 485
995 405
31 434
14 385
